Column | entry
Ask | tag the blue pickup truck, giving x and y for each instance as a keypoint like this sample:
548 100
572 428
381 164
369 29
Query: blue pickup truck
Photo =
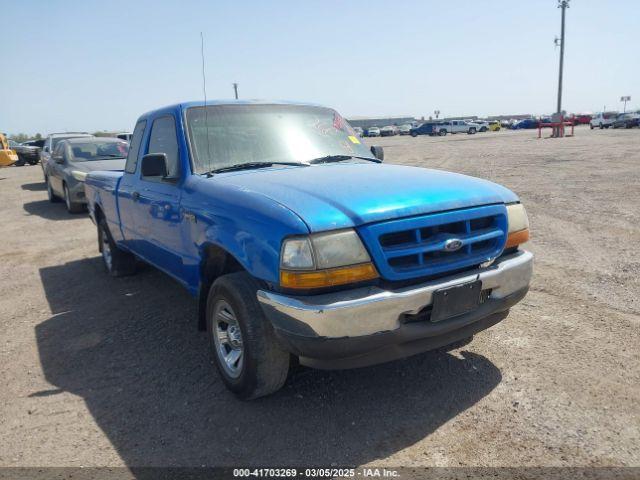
298 242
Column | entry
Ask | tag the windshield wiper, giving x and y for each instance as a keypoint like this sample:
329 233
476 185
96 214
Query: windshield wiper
340 158
110 155
250 165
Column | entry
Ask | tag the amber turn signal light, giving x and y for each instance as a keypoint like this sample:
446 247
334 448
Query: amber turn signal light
328 278
516 238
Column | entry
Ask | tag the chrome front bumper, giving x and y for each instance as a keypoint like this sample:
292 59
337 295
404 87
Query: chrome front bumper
371 310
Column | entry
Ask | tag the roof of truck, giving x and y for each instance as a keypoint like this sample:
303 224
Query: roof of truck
201 103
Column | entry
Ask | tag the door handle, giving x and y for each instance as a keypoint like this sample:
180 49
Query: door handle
135 196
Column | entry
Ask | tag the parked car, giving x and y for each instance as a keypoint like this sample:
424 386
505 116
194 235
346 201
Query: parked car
73 159
459 126
626 120
7 156
582 119
603 120
126 136
26 153
404 129
388 131
373 132
430 128
358 131
526 123
483 125
51 142
494 126
320 252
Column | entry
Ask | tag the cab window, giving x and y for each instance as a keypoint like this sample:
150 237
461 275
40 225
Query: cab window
163 139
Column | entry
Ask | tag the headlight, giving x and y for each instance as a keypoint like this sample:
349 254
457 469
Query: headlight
518 225
78 175
324 260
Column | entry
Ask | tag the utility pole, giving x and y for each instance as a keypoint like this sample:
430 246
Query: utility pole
563 4
235 89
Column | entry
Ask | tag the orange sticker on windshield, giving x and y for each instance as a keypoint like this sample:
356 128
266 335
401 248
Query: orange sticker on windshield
353 139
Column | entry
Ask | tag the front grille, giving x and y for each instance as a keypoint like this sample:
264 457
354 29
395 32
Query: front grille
415 247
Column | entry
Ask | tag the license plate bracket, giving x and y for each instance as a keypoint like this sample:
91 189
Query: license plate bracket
456 300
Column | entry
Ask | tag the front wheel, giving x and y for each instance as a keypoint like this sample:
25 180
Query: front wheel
414 134
72 207
442 132
243 344
472 131
601 126
117 262
52 196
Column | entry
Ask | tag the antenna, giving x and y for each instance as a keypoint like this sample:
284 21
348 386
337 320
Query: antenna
206 110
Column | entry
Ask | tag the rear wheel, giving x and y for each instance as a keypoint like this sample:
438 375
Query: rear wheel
243 344
117 262
72 207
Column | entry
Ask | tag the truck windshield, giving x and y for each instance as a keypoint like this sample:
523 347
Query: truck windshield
228 135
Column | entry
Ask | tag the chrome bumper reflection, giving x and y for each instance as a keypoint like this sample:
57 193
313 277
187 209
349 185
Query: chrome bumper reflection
368 310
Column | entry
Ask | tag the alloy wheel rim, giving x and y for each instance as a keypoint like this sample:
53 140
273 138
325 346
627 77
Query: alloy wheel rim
227 338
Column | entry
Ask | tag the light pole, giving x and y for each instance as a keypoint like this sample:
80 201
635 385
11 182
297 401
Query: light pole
625 99
235 89
563 4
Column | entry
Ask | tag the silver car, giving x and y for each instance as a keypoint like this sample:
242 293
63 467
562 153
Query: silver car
73 159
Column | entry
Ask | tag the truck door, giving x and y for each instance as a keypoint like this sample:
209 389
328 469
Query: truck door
129 184
156 202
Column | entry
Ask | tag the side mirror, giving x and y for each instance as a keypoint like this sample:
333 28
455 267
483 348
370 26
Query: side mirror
154 165
378 152
58 159
46 149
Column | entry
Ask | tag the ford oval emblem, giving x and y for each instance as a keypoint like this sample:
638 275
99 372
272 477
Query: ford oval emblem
453 245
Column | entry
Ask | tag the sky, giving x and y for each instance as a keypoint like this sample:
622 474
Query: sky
89 65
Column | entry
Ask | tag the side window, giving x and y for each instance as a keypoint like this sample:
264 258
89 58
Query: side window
134 148
58 151
163 140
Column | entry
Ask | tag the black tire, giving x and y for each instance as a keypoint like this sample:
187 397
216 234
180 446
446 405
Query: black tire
414 134
601 126
117 262
442 132
72 207
52 196
472 131
265 365
33 161
21 161
591 126
483 129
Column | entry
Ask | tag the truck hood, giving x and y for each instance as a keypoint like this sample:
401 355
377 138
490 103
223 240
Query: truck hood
332 196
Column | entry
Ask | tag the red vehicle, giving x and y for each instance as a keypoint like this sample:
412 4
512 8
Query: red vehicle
582 118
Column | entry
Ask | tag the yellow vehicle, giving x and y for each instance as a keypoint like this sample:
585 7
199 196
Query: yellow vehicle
7 156
494 126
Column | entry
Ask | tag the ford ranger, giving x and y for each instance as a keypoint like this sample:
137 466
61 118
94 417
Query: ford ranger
298 242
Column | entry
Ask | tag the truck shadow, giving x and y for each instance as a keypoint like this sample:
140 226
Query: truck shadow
51 211
129 347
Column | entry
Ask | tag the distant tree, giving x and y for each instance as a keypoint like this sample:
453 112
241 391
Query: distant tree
38 136
19 137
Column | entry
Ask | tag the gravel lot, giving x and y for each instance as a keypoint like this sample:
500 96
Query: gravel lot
102 371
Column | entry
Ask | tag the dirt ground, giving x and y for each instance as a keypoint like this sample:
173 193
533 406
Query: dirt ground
102 371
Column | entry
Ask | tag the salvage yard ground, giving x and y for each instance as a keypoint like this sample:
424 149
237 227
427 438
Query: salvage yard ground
102 371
